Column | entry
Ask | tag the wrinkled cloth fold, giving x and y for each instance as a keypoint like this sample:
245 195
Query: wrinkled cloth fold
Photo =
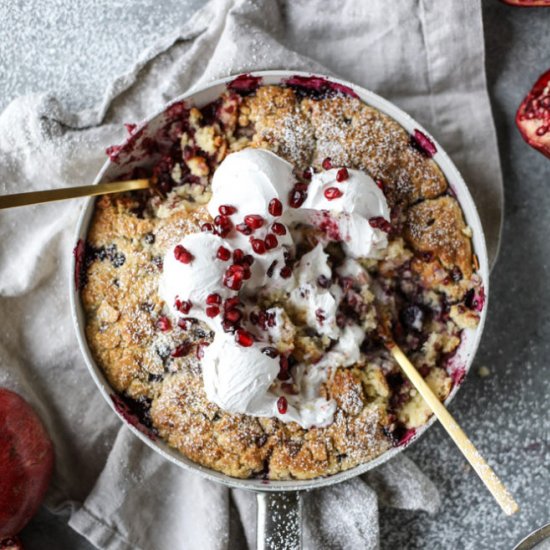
427 57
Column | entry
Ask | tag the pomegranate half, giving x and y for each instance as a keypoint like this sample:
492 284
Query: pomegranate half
26 463
533 116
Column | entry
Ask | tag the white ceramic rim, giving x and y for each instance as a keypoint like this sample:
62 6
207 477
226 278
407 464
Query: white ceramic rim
466 352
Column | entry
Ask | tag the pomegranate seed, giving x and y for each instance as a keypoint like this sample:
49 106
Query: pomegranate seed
244 338
380 184
164 323
282 404
183 255
183 306
246 273
231 303
278 228
327 164
234 280
342 174
258 246
236 268
270 352
228 326
212 311
275 207
223 225
254 221
233 316
181 350
271 241
283 368
262 319
213 299
207 228
332 193
223 254
248 260
226 210
238 256
243 228
306 174
379 222
298 195
320 315
286 272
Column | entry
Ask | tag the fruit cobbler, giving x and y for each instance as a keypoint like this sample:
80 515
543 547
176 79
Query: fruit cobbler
234 306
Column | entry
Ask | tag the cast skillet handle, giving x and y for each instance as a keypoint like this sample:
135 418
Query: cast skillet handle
279 524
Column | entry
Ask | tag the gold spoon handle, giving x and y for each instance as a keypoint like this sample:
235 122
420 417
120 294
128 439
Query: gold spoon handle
37 197
483 470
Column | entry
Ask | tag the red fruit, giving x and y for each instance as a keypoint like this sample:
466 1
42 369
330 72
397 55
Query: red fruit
254 221
231 303
282 404
286 272
183 306
233 315
271 241
248 259
223 254
258 246
212 311
379 222
423 143
298 195
278 228
181 350
233 280
244 338
213 299
270 352
306 174
183 255
332 193
327 163
223 225
533 116
243 228
207 228
164 323
528 3
275 207
342 174
26 463
226 210
238 256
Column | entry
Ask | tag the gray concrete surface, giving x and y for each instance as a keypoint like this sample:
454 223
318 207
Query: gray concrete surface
59 46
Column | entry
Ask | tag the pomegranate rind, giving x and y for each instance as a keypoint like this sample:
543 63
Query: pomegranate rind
534 114
26 463
527 3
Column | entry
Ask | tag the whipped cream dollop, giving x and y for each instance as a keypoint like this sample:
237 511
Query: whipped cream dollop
251 283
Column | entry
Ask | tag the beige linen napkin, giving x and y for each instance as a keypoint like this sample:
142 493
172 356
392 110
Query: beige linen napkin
425 56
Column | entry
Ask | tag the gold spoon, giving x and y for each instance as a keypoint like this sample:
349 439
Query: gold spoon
37 197
472 455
